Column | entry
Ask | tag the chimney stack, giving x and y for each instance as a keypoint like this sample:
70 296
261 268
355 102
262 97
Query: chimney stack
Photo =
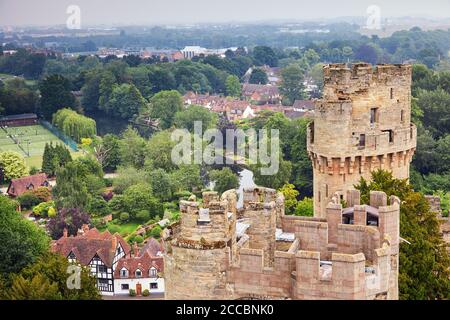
65 233
85 228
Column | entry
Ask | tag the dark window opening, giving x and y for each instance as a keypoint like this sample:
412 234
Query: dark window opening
125 286
402 115
392 93
373 115
311 136
362 140
326 190
102 269
153 285
391 135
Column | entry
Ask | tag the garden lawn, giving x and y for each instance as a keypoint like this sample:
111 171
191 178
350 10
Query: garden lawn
126 229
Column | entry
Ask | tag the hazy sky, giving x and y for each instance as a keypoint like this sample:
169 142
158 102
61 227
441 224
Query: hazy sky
149 12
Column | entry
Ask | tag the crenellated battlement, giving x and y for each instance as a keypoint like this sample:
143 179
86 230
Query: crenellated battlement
341 80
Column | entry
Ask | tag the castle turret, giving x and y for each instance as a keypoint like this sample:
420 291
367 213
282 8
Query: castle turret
200 249
362 123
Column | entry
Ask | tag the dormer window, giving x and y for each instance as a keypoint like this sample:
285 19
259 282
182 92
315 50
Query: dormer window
123 273
30 187
138 273
153 272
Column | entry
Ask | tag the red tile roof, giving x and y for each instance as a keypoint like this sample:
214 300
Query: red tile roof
148 258
89 244
21 185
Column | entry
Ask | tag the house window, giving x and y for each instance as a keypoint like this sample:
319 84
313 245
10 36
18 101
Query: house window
30 186
392 93
153 285
153 272
138 273
373 115
362 140
119 250
124 273
102 269
125 286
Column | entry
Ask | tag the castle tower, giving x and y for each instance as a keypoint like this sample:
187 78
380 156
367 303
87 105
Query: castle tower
200 249
362 123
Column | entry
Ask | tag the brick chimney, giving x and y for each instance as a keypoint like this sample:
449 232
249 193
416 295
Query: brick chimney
135 249
65 233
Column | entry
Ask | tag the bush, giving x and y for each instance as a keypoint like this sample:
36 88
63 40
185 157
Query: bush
138 239
124 216
183 195
132 293
43 193
143 215
33 170
45 209
28 199
113 228
305 207
156 232
146 293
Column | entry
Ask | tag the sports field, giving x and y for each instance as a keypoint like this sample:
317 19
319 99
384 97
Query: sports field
29 141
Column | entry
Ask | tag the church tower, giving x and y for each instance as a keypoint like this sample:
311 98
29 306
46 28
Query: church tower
362 123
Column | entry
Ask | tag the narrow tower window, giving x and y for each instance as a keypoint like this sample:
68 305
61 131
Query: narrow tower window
362 140
402 115
392 93
373 115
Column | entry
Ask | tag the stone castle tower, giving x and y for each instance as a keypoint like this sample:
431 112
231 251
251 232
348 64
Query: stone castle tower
202 248
362 123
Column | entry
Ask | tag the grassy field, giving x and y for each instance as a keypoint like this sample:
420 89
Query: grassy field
32 139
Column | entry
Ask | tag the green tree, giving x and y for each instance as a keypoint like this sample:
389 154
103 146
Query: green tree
74 124
128 176
186 178
436 114
224 179
132 148
13 165
424 270
164 105
291 86
70 190
55 94
161 184
305 207
159 152
22 241
258 76
233 86
264 55
290 197
185 119
276 180
125 101
47 279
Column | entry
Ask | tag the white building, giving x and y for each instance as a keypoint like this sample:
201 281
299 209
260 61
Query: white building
143 271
